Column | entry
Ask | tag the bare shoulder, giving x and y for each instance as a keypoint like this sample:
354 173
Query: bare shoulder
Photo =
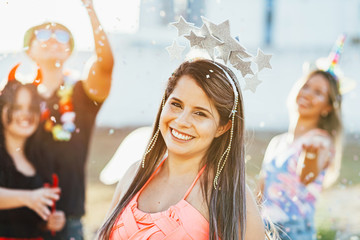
128 177
124 184
255 229
275 141
273 146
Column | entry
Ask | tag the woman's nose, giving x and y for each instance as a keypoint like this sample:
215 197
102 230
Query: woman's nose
183 119
306 92
24 113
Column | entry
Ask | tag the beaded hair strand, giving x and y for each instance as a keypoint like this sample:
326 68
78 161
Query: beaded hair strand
225 155
154 138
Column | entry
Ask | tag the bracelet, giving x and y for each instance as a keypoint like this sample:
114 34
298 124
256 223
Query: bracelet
310 155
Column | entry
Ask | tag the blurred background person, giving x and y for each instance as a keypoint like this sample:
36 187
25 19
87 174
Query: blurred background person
24 202
69 108
299 163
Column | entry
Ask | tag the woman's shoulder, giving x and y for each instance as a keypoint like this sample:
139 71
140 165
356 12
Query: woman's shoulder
276 140
129 176
126 180
124 184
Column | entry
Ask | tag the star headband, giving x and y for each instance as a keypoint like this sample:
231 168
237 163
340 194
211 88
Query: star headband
216 40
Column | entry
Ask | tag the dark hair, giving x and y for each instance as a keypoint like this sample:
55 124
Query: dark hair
226 203
8 98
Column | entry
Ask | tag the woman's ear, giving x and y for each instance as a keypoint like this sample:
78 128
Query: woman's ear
223 129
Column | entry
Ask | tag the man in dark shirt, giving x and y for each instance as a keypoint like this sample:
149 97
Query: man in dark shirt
69 109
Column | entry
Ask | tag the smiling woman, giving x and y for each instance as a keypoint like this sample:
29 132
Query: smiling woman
198 191
24 201
298 163
189 121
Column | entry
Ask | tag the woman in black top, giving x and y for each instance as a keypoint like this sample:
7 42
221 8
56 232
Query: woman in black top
24 201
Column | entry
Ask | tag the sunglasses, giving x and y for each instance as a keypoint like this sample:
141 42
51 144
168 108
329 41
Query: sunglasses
59 35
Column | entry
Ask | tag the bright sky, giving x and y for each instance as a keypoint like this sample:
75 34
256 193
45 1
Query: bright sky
16 16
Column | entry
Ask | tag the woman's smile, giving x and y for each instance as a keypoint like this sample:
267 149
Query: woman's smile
188 116
180 135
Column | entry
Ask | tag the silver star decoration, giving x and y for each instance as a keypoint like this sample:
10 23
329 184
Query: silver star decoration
252 83
175 50
210 42
242 54
235 56
262 60
217 41
218 30
194 39
183 26
244 67
222 32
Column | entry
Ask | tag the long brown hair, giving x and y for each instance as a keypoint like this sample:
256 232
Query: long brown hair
226 203
332 122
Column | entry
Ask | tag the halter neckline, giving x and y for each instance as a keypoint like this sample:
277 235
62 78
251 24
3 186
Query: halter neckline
181 200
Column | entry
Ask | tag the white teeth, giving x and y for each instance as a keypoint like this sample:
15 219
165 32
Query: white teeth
180 136
303 102
24 123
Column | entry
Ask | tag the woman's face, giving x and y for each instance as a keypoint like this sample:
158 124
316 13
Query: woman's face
313 97
50 43
189 121
25 119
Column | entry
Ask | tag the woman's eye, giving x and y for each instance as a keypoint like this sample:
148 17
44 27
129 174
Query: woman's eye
201 114
175 104
318 93
34 109
16 107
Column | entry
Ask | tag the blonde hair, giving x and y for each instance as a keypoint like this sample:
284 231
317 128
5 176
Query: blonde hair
30 33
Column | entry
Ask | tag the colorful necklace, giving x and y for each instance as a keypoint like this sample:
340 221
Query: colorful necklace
61 131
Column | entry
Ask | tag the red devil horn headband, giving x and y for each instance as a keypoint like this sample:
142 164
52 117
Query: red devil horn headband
11 76
37 80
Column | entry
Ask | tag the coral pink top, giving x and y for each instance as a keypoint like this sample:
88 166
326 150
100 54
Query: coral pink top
181 221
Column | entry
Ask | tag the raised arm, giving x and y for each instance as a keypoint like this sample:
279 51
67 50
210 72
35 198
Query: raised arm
98 68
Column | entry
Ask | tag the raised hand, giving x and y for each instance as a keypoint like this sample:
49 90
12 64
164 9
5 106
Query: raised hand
40 199
308 164
88 3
